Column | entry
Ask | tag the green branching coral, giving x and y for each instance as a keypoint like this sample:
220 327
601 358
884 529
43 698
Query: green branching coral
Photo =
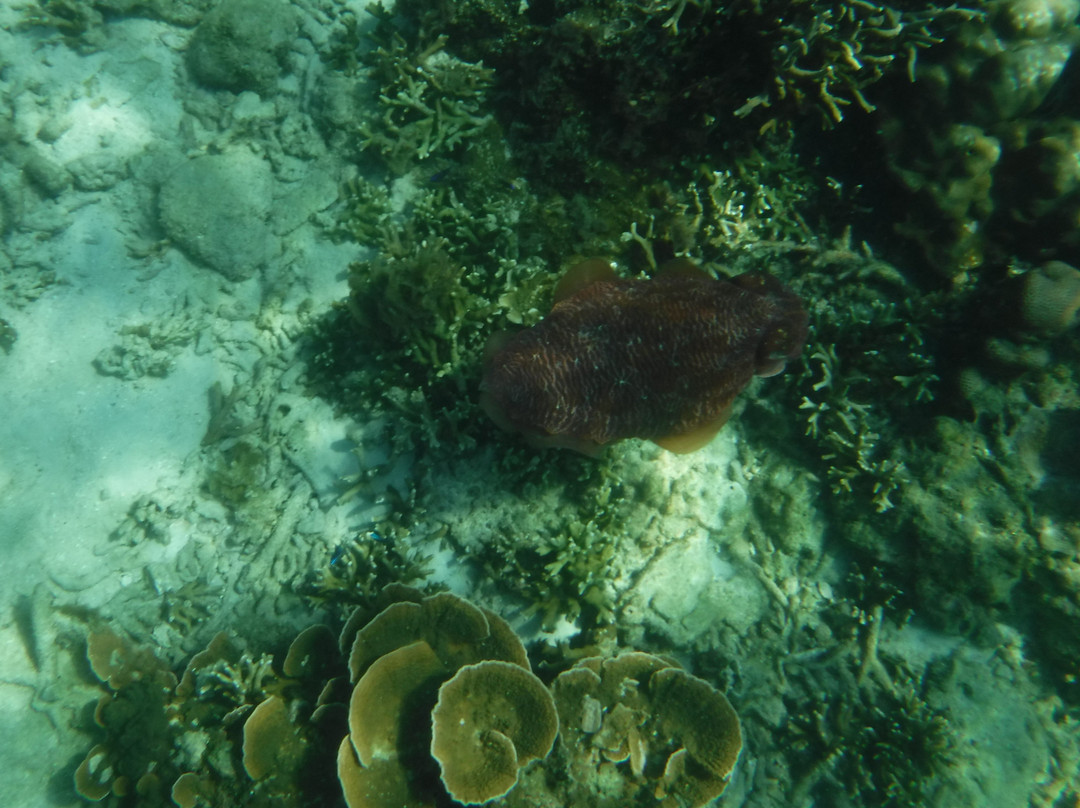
563 566
869 370
647 81
418 304
827 54
429 102
881 746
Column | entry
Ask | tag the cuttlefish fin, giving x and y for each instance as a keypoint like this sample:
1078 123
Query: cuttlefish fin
694 439
582 275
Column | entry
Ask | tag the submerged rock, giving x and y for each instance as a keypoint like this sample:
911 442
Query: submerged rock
216 209
241 44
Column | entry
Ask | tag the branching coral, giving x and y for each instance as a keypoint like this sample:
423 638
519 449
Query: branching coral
881 745
827 54
429 102
362 566
866 334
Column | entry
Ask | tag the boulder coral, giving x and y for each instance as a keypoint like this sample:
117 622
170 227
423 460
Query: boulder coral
1050 298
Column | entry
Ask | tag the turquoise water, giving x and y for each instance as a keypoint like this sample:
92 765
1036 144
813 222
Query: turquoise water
255 261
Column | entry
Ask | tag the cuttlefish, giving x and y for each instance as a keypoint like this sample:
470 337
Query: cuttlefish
660 358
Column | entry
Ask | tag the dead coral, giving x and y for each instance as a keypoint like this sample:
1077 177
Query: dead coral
79 25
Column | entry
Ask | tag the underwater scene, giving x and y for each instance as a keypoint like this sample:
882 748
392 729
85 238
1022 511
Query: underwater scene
540 403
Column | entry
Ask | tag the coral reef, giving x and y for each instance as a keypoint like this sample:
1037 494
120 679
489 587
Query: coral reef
439 702
203 199
618 75
1050 298
925 435
81 25
977 144
396 683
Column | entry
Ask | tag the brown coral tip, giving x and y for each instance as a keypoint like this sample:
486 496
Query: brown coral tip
378 707
619 673
491 719
618 734
118 663
395 626
272 745
219 648
385 784
388 717
457 631
188 790
361 616
700 717
1050 298
93 777
575 699
110 657
312 654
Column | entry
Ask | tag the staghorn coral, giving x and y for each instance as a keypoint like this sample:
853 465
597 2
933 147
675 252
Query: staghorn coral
672 77
883 746
431 103
872 332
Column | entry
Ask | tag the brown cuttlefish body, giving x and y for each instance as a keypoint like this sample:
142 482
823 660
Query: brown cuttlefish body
660 359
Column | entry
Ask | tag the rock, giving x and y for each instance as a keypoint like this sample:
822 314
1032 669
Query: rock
216 208
242 44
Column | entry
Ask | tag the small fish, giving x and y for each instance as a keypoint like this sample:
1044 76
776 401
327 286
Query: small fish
338 557
660 359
